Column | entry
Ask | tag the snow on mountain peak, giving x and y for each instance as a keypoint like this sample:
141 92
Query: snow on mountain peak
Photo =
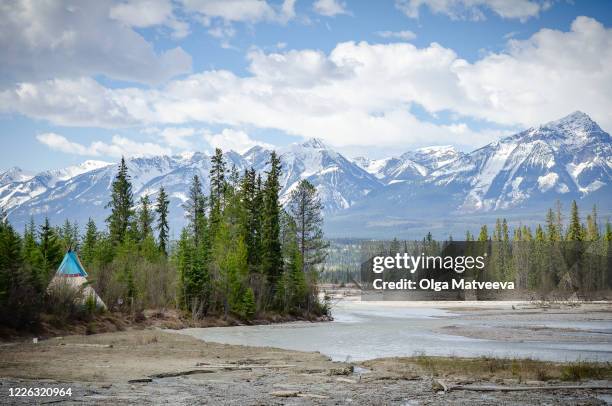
316 143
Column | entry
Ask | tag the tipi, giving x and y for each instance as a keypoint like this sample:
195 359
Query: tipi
72 273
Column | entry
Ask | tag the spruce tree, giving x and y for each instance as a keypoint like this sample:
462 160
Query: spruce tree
575 230
32 256
217 190
145 219
50 249
592 232
195 210
90 240
551 227
271 246
162 221
121 203
484 234
248 193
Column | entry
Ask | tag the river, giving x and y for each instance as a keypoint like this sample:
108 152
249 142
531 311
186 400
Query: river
367 330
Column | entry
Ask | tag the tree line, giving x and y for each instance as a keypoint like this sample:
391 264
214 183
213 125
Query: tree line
242 254
558 256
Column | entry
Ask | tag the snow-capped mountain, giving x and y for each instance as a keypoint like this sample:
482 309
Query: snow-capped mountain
568 156
433 188
340 182
83 191
516 177
412 166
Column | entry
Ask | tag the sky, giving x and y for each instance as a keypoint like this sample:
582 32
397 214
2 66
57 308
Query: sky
98 80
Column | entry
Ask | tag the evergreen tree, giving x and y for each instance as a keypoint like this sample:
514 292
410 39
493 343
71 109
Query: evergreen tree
306 209
163 228
484 235
271 246
551 227
90 239
121 204
252 212
217 190
592 232
145 219
68 236
50 249
575 230
32 256
195 208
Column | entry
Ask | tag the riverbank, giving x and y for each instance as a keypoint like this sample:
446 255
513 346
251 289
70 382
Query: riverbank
152 366
108 322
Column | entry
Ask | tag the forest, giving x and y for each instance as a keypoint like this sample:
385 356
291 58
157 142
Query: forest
561 258
241 255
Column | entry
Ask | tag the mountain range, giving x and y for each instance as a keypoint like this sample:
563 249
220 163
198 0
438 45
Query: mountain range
437 189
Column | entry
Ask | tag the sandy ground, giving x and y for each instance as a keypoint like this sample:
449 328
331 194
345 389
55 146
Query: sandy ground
99 368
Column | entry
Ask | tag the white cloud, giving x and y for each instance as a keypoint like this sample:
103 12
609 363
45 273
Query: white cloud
474 9
61 143
249 11
149 13
359 94
330 8
234 140
57 40
119 146
178 137
219 15
403 35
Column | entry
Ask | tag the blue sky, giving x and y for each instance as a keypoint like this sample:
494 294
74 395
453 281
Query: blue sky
103 79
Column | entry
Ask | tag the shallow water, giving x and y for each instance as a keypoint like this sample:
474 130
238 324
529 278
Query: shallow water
366 330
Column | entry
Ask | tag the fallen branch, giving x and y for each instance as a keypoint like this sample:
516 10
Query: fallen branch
494 388
285 393
87 345
243 366
140 380
181 373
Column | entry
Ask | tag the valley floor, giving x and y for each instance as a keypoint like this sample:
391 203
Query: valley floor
152 366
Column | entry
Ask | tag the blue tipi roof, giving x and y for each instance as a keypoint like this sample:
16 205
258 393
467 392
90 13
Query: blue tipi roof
71 266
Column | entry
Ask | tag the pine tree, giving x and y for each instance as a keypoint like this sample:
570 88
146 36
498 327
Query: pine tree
217 190
251 230
484 235
306 209
608 234
32 256
195 209
497 234
90 239
551 227
162 221
50 249
575 230
592 232
122 201
145 219
68 235
271 246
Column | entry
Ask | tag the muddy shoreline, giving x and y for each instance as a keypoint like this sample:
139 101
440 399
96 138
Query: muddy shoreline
153 366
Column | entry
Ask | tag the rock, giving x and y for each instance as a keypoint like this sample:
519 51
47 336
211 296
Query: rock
341 371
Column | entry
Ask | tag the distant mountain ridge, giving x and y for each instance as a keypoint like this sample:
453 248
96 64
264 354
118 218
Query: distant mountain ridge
436 188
